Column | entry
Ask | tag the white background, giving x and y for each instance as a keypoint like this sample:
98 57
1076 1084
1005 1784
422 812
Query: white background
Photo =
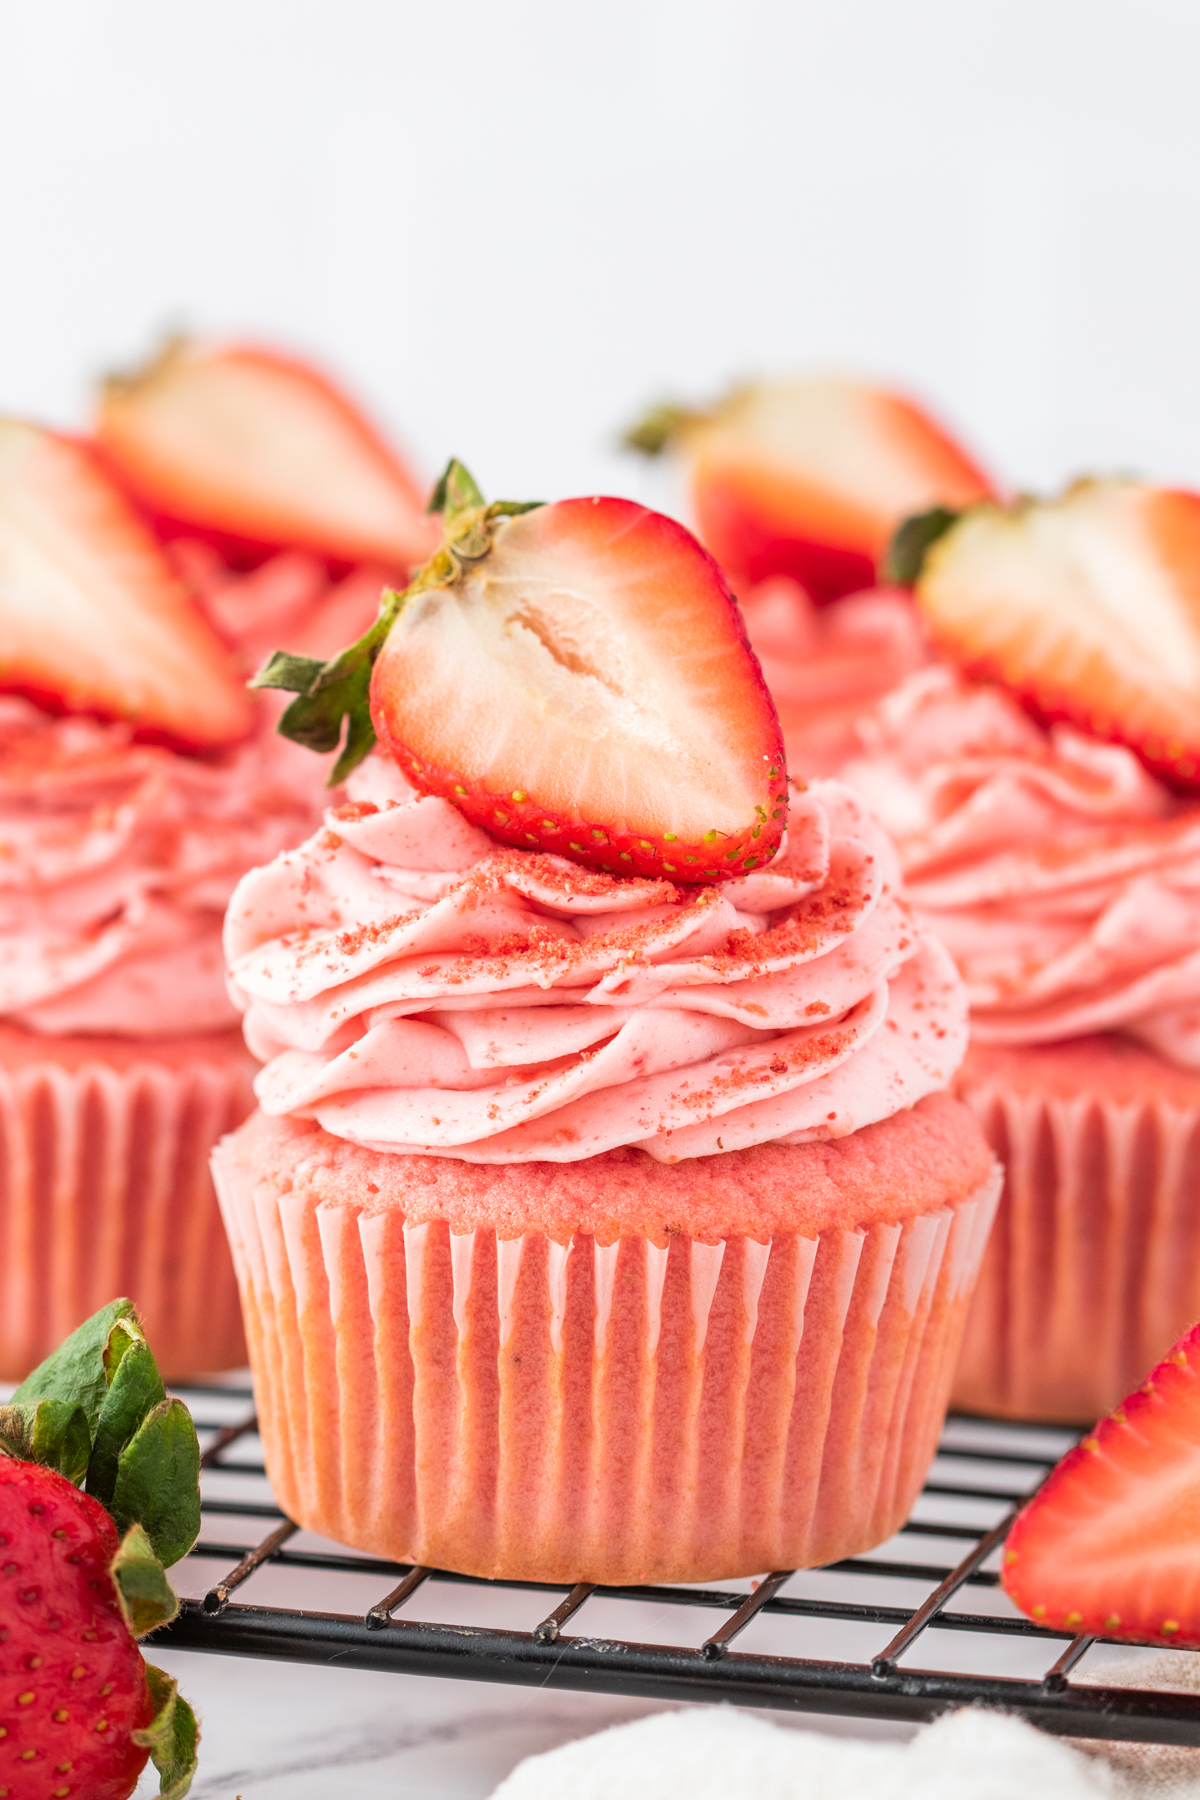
510 223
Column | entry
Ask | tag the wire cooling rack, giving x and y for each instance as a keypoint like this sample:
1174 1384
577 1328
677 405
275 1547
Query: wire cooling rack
913 1628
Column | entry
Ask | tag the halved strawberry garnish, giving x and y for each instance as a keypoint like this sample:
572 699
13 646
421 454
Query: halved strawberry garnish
259 448
92 619
575 677
810 478
1088 606
1110 1545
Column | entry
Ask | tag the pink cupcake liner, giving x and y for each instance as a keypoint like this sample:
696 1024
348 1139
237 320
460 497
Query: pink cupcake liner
105 1190
613 1413
1093 1268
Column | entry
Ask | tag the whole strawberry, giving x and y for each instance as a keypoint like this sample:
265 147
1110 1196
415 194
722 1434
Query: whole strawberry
73 1686
80 1710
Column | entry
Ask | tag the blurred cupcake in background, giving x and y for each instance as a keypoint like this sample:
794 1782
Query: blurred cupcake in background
1049 834
138 781
797 487
605 1216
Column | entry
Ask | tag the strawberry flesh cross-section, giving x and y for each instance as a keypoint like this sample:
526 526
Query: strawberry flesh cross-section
575 678
1087 605
260 451
810 477
92 618
1110 1545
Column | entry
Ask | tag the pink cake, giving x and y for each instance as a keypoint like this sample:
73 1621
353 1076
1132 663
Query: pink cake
594 1227
1064 879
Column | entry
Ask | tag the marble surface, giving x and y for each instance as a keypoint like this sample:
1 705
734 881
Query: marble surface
279 1731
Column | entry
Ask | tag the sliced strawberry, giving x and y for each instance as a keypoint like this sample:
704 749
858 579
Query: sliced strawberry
809 478
1110 1545
92 618
1088 606
590 690
576 677
260 449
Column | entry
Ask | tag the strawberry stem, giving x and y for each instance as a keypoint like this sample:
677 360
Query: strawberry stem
340 690
656 430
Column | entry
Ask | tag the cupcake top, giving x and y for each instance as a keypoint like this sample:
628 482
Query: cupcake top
414 985
1061 874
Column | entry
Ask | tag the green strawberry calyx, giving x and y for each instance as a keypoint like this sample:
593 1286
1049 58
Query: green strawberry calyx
97 1412
338 691
911 542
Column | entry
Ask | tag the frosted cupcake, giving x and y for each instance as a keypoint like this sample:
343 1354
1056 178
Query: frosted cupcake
1064 877
121 838
596 1222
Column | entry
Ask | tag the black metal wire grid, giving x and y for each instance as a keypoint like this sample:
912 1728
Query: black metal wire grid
917 1633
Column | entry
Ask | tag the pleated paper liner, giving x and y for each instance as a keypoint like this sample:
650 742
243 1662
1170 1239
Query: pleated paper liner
1093 1268
105 1190
613 1413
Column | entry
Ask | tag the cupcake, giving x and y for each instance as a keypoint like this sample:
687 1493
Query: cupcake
138 781
604 1216
1064 877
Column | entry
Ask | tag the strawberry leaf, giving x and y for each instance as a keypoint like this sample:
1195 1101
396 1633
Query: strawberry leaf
172 1737
654 430
75 1372
157 1483
147 1598
294 673
330 692
455 493
135 1389
51 1432
911 543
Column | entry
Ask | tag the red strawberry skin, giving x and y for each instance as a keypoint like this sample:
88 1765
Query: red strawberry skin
92 618
1110 1545
72 1680
590 691
811 478
260 452
1088 606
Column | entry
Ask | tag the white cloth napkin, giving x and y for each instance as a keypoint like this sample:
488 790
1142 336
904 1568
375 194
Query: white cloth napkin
715 1753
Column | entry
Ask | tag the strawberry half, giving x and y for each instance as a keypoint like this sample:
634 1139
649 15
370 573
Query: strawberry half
574 677
259 449
1088 606
810 478
1110 1545
92 618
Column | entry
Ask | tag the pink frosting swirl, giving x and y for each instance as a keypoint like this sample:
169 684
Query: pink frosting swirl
826 665
117 859
415 986
1062 876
